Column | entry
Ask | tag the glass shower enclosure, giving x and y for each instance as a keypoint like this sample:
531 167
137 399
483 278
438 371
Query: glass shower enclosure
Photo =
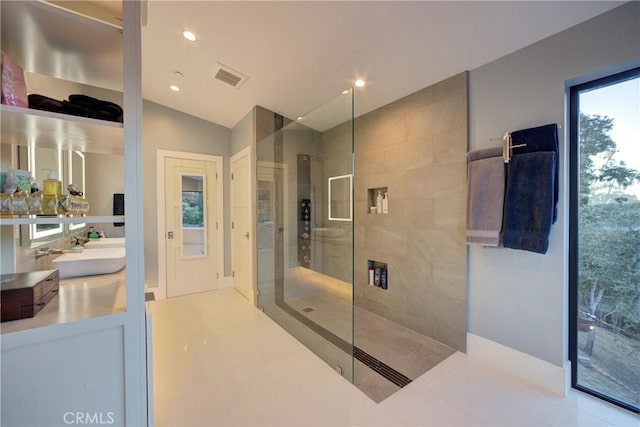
305 227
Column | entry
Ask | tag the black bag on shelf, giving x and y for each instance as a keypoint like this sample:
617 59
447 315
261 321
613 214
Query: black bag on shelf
86 106
41 102
78 105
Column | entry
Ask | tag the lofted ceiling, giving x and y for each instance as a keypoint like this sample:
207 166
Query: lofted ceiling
299 54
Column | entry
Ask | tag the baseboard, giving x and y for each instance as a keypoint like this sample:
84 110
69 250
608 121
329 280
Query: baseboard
225 282
553 378
158 292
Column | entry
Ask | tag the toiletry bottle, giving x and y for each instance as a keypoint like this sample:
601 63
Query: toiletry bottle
385 204
11 182
34 185
379 202
376 277
52 186
371 275
383 277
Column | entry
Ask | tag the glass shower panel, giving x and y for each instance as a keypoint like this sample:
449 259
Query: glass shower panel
305 227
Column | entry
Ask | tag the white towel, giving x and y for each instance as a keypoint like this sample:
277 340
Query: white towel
485 196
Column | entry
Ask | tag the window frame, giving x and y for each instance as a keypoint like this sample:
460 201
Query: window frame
574 181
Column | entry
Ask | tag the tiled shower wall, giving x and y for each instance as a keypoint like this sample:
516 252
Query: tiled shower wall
416 148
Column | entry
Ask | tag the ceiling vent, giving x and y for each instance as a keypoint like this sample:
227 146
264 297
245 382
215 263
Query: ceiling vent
230 76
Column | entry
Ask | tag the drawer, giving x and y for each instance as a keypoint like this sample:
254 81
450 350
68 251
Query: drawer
45 286
42 302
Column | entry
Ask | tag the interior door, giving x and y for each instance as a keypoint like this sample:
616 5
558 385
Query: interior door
241 225
190 226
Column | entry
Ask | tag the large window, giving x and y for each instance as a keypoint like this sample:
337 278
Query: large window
605 238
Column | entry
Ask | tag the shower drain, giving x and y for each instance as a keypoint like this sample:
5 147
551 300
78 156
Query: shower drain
308 309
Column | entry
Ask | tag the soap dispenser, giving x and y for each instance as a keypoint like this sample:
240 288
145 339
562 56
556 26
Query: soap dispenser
52 186
379 202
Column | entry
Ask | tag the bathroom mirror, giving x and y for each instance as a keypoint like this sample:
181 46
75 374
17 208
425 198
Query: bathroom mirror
40 162
76 176
340 198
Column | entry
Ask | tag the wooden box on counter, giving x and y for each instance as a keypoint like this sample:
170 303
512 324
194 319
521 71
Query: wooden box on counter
25 294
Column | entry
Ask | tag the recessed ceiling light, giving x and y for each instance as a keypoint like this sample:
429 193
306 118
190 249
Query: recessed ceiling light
299 117
174 88
359 83
189 36
346 91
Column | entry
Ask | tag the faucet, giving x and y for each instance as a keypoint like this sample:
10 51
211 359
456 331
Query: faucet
47 251
78 240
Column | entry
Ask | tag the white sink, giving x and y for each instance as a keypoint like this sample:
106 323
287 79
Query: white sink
107 242
90 262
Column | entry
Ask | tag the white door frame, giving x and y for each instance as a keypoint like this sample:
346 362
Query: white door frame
162 245
252 208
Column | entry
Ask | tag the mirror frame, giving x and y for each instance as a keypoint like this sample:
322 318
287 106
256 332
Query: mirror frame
335 178
37 238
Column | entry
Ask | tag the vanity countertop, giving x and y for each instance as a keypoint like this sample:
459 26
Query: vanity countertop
23 280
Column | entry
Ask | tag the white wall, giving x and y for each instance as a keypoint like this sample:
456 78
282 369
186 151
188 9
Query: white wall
517 298
168 129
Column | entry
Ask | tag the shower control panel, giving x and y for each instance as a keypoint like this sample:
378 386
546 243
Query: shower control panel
304 234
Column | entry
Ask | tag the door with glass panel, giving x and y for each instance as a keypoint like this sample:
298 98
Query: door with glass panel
605 238
190 214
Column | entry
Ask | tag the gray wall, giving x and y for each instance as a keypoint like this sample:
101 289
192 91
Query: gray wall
336 160
242 133
517 298
167 129
416 147
104 176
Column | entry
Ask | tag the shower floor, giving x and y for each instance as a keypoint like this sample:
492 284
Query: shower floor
389 349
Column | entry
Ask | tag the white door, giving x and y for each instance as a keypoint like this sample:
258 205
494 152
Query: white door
241 224
190 226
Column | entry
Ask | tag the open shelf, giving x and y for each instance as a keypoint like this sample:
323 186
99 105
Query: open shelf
25 126
32 219
50 40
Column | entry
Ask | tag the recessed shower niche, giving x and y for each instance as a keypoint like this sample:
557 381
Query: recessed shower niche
378 200
378 274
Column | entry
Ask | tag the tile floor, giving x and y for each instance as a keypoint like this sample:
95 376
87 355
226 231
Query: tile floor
218 361
402 349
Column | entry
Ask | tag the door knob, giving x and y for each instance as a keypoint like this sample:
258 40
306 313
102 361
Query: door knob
246 235
170 235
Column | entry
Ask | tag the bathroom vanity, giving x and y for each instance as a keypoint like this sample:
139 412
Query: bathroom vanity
25 294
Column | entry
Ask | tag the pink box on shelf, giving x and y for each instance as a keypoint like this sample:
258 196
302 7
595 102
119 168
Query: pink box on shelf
14 88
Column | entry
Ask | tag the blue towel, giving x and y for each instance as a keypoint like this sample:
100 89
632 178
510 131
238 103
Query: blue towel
542 138
529 201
